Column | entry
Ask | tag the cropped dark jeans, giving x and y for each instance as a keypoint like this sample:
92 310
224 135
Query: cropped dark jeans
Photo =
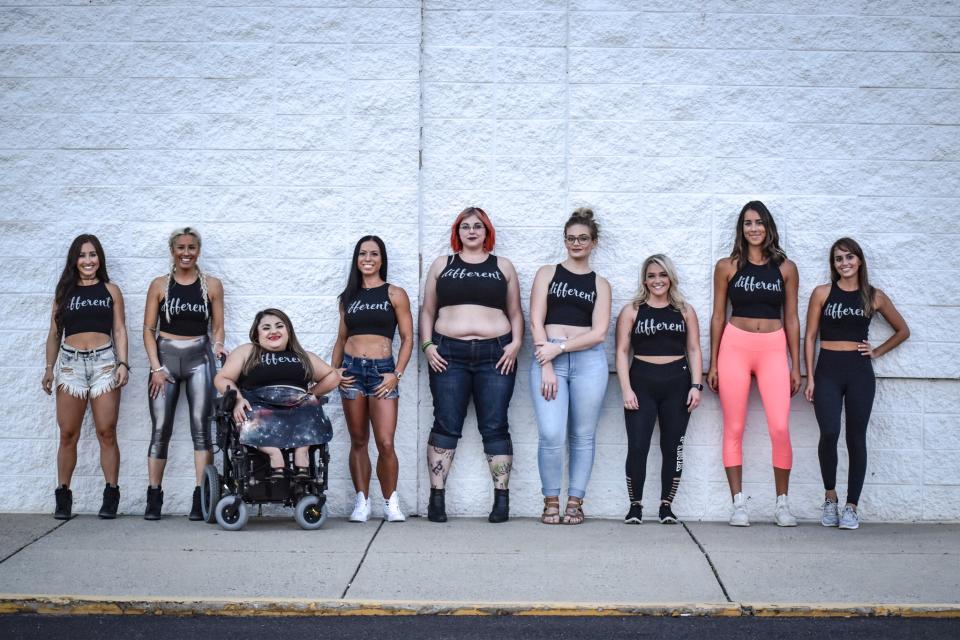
471 372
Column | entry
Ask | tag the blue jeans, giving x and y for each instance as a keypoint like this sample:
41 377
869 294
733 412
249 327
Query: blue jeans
471 372
369 375
581 384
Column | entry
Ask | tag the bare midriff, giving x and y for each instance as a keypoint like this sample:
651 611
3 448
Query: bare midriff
659 359
839 345
756 325
564 331
173 336
368 346
471 322
87 340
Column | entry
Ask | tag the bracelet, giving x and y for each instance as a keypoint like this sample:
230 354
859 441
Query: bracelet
121 362
426 345
49 366
158 370
219 343
399 374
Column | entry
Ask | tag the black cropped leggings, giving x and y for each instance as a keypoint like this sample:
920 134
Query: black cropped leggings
843 379
662 391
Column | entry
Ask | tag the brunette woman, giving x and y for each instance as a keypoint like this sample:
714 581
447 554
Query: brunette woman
184 309
661 383
569 316
371 312
841 312
471 325
86 355
761 285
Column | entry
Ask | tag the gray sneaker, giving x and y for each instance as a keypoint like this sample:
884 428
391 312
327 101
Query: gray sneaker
849 519
831 515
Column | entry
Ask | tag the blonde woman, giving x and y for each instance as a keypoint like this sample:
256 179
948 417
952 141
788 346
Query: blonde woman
184 310
661 382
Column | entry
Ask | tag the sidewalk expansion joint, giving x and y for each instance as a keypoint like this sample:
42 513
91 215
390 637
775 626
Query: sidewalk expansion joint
364 557
706 555
39 537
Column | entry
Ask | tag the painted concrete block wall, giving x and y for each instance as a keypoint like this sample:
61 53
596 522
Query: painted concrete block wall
286 131
665 117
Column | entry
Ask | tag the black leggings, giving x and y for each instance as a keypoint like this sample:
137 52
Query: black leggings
662 391
843 379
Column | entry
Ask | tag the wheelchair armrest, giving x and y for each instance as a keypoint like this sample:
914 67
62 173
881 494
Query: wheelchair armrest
227 402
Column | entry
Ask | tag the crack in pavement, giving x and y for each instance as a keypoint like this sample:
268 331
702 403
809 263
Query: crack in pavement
39 537
706 555
364 557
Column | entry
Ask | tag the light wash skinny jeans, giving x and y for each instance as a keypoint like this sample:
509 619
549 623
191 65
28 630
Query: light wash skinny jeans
581 384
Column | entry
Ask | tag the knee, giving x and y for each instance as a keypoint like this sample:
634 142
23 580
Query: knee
107 435
359 442
385 447
69 438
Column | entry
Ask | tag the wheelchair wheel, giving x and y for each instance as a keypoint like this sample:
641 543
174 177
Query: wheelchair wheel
231 513
309 514
209 493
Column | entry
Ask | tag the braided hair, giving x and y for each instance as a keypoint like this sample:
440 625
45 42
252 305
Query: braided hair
186 231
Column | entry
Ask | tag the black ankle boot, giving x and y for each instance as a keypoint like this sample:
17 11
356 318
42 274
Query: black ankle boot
196 514
437 508
154 503
111 500
501 506
64 498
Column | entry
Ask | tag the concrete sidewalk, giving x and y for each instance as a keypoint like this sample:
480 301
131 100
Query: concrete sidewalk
471 566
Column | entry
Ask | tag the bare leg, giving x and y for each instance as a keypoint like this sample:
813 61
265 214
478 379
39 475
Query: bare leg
276 457
70 412
358 419
735 479
200 461
500 467
105 409
439 462
155 467
301 456
781 478
383 415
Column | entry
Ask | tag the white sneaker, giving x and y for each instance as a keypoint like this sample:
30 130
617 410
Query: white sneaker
782 515
391 509
361 508
739 517
849 519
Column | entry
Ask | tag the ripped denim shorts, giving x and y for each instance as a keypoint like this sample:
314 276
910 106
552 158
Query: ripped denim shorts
369 375
82 372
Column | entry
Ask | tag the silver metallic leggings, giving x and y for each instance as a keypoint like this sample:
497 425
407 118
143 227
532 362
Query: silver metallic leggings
190 363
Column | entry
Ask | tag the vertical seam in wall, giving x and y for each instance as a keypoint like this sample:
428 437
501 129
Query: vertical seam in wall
566 114
416 331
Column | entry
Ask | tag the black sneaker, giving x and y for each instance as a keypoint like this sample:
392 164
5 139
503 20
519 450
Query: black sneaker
666 515
111 500
501 506
196 514
634 515
64 498
154 503
436 508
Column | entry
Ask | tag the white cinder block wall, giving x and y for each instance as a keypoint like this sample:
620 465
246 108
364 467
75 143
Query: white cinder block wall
285 132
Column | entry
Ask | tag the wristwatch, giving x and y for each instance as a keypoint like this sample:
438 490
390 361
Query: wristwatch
698 387
399 374
563 347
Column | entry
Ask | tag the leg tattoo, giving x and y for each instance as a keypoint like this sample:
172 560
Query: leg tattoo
439 462
500 467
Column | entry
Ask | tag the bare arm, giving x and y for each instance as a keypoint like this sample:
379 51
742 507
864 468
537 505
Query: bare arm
227 377
401 306
901 331
215 293
151 317
514 309
428 312
694 356
721 279
814 309
51 348
336 358
791 321
122 373
325 377
628 315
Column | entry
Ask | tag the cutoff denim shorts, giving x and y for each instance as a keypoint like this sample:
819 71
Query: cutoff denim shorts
369 375
82 372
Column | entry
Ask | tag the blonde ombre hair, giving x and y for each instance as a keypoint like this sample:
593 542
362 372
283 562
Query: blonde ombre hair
675 297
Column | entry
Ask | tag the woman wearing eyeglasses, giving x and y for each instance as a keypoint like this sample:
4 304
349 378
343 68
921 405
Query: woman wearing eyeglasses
569 316
471 325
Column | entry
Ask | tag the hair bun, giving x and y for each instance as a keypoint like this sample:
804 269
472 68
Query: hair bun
584 213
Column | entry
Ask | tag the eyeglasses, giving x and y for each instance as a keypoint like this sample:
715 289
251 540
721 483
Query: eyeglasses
476 226
578 239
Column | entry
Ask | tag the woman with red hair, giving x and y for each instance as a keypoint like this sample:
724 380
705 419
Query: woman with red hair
471 325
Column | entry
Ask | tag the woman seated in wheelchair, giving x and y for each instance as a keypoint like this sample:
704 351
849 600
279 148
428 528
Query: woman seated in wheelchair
279 383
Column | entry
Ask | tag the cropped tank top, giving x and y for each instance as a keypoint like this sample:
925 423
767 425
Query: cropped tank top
189 312
756 291
370 313
276 367
659 332
843 317
464 283
571 297
88 308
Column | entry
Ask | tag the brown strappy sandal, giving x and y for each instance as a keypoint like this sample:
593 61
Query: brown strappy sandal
551 510
574 511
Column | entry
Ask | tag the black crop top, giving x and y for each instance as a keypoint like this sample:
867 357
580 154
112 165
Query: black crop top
189 312
843 317
571 297
371 313
464 283
86 309
756 291
659 332
276 367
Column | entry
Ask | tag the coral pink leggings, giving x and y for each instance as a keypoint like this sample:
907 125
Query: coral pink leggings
763 355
